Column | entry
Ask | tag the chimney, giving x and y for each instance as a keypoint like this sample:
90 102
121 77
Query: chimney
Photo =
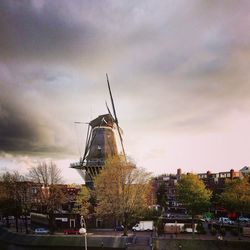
179 172
208 174
231 173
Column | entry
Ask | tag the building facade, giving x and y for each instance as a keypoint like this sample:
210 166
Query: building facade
166 195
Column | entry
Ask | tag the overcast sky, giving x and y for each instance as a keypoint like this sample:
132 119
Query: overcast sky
179 71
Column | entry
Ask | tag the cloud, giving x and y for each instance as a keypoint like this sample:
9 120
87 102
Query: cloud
41 33
173 66
24 126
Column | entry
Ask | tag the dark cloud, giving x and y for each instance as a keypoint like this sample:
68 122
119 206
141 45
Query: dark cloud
17 130
25 128
180 64
31 32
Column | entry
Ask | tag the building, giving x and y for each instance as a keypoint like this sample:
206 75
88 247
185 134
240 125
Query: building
245 171
165 188
216 181
165 192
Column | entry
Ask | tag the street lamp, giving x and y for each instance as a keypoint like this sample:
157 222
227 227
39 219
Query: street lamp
83 230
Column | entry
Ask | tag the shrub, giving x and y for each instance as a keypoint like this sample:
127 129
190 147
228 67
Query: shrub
223 231
234 231
200 228
213 225
213 231
159 227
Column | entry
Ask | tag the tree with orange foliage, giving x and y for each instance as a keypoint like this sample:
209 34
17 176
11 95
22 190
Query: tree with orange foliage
121 190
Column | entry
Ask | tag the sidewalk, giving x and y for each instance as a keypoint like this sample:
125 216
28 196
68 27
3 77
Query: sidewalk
186 236
227 237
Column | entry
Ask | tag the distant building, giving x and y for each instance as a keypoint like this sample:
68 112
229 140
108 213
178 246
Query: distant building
216 181
168 183
245 171
165 186
63 214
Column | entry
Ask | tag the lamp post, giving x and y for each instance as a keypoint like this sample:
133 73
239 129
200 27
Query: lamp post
83 230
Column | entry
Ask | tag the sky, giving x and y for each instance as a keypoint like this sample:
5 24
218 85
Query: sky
179 72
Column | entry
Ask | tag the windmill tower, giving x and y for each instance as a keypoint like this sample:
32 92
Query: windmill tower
100 144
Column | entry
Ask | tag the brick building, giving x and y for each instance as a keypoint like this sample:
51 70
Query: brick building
165 188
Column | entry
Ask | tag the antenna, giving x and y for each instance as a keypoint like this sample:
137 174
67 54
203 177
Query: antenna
115 117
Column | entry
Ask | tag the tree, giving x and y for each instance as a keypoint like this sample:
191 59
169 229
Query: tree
8 197
50 193
194 196
121 190
82 204
236 196
11 195
45 174
149 213
25 193
161 196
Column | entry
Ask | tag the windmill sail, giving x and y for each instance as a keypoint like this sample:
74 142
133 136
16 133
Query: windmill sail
116 119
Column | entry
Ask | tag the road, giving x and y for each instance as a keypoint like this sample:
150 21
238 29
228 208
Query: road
141 241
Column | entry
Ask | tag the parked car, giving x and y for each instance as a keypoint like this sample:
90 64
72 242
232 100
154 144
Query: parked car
41 230
119 228
9 218
243 219
225 220
205 219
71 231
143 226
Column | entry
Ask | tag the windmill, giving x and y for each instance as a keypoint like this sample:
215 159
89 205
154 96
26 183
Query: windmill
100 143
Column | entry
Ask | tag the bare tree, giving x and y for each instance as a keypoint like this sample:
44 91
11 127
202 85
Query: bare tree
46 174
50 194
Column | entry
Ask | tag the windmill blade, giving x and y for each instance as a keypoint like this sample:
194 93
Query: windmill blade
109 111
120 136
113 118
81 123
77 123
87 146
111 98
116 120
82 174
121 130
91 139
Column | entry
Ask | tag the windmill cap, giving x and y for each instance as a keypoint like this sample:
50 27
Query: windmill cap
102 120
